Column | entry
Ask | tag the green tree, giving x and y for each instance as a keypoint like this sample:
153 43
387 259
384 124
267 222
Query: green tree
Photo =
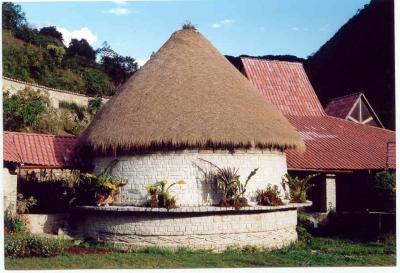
81 48
12 16
52 32
119 68
97 82
57 52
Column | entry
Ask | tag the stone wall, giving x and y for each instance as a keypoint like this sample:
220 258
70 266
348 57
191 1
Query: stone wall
143 170
10 190
211 230
46 223
55 95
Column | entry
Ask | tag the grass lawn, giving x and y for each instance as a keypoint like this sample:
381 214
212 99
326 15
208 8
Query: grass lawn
321 252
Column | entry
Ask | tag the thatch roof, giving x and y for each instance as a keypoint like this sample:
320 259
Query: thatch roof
188 96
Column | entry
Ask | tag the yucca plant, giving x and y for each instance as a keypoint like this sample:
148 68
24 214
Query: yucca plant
233 190
298 187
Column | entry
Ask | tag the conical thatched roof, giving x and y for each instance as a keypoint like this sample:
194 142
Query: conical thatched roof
188 96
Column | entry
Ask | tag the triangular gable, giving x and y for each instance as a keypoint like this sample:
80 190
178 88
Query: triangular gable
355 108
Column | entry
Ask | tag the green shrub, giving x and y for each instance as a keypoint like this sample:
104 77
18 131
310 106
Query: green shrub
14 223
31 246
384 187
75 108
22 110
298 187
24 204
94 105
97 82
303 235
303 220
189 25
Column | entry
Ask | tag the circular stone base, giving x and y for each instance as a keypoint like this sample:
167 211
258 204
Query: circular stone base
195 228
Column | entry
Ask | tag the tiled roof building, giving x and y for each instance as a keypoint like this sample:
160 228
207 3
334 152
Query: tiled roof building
331 143
38 150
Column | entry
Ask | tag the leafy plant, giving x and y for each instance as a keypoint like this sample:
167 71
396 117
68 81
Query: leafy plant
233 190
103 185
24 204
298 187
160 195
384 188
31 246
14 223
189 25
23 109
94 105
270 196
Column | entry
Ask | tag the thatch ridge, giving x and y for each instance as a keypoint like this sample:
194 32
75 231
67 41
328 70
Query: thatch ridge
189 96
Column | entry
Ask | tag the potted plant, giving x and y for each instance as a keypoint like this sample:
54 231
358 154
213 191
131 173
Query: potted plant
104 186
160 196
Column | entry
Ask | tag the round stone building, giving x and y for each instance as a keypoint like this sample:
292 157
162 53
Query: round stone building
185 106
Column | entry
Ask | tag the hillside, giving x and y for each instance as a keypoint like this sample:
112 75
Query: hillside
360 57
39 56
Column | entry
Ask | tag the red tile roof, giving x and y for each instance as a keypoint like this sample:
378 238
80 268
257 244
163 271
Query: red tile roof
337 144
38 149
340 107
331 143
284 84
391 155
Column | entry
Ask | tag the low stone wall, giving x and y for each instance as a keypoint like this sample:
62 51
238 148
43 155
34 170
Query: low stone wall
196 228
55 95
46 223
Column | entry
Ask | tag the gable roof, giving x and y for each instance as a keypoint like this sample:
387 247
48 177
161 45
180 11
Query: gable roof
188 95
38 149
337 144
285 85
342 107
331 143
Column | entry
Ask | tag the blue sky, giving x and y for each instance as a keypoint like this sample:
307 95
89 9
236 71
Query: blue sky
253 27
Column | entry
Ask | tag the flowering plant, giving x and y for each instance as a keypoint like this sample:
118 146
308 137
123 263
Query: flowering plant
105 186
160 195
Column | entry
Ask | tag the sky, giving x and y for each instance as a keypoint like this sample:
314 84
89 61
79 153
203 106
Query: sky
235 27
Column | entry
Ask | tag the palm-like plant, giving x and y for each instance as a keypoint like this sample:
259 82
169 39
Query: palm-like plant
228 181
298 187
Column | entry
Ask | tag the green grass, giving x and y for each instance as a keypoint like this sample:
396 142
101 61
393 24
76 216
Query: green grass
321 252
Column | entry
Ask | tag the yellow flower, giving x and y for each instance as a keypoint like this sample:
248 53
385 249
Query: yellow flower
181 182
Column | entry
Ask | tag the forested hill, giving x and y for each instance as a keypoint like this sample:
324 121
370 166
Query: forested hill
40 56
360 57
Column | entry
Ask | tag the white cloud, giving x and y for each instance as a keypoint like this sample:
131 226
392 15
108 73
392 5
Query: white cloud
222 23
119 2
142 62
83 33
118 11
215 25
299 29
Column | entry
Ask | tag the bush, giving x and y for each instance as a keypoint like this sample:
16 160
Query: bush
94 105
23 109
270 197
97 82
14 223
303 235
384 188
24 204
298 187
31 246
